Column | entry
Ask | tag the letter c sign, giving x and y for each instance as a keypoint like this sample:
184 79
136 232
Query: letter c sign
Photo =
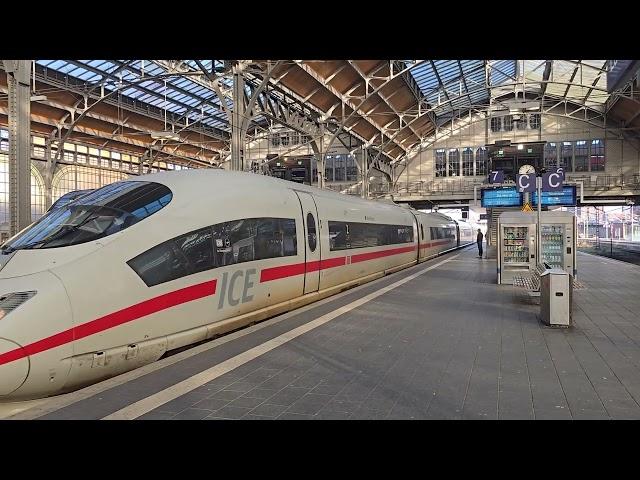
526 183
552 181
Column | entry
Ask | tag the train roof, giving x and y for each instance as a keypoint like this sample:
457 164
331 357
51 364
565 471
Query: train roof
251 183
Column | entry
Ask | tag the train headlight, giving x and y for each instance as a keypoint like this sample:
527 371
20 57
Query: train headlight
10 301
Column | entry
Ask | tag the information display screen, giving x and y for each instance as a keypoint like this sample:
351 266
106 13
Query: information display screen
566 197
501 197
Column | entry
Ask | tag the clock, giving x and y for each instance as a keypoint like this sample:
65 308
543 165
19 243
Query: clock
526 169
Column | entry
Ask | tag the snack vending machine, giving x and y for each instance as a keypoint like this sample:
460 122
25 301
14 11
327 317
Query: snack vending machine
558 241
516 252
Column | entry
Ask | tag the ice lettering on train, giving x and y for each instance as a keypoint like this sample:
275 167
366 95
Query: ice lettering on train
228 285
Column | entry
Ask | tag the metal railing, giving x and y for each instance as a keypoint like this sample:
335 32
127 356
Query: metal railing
466 185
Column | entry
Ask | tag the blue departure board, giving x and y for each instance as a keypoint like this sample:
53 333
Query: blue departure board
501 197
566 197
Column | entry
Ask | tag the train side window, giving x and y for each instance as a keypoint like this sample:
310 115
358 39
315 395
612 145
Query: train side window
288 226
337 236
162 263
234 241
223 244
421 232
343 235
311 232
197 247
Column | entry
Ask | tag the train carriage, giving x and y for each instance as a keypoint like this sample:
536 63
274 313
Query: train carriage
141 267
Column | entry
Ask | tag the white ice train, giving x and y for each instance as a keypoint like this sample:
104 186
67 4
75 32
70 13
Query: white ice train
138 268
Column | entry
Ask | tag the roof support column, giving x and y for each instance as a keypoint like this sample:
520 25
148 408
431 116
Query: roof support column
237 116
48 172
317 145
365 171
18 81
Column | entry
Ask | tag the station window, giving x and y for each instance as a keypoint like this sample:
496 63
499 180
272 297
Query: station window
38 152
348 235
496 124
507 123
441 162
597 156
352 169
534 121
521 124
581 156
551 155
227 243
454 162
275 139
328 168
566 156
481 161
340 165
81 158
467 162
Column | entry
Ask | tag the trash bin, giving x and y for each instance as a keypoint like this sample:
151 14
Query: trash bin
555 297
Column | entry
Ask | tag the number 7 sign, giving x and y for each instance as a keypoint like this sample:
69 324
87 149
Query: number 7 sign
496 176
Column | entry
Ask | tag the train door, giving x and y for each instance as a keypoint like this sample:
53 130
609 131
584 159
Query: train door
418 229
312 242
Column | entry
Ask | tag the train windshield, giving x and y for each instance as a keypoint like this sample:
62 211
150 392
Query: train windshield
98 214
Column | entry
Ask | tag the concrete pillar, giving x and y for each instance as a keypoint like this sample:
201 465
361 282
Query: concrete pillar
237 117
18 81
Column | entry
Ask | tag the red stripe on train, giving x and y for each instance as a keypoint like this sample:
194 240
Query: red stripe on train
275 273
139 310
363 257
434 244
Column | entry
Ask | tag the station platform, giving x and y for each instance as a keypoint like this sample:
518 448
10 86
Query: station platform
440 340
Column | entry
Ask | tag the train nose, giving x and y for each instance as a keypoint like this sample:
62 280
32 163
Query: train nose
35 336
14 366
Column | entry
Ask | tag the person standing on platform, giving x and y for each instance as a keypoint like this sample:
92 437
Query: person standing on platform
479 241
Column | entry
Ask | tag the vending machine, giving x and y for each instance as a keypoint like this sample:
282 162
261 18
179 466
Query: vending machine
517 243
516 252
558 241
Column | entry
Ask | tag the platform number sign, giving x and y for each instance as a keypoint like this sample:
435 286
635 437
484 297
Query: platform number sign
552 181
496 176
526 183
